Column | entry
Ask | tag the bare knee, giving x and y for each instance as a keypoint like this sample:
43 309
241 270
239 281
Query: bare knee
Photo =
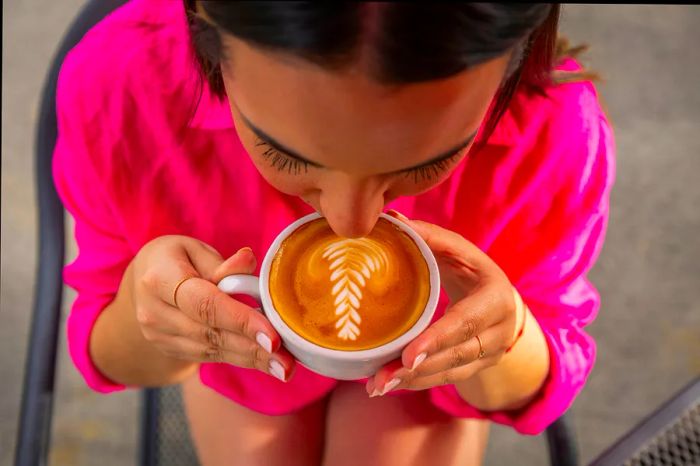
225 433
401 430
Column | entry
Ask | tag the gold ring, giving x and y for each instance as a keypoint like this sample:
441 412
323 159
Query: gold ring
482 353
177 287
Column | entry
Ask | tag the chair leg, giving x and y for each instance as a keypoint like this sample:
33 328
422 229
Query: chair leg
148 439
561 443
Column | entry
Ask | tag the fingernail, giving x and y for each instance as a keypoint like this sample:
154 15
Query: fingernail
392 384
277 370
375 393
264 341
252 261
369 387
419 359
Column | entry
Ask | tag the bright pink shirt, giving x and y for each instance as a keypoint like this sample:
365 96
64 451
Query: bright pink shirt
131 165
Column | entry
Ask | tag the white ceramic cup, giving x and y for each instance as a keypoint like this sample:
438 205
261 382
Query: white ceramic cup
337 364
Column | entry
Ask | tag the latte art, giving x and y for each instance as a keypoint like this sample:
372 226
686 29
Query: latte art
349 293
353 261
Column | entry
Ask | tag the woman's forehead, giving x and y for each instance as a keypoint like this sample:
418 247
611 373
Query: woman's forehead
318 111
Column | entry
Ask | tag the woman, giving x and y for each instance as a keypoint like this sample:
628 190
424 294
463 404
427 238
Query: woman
190 135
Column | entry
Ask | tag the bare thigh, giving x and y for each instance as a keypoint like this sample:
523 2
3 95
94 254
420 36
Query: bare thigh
225 433
398 431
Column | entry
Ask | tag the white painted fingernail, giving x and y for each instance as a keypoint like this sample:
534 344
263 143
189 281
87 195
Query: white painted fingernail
419 359
277 370
264 341
392 384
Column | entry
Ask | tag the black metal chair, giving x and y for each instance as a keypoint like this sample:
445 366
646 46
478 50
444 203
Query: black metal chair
669 436
164 435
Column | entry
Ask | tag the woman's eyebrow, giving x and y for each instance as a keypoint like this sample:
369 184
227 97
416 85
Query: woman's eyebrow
269 140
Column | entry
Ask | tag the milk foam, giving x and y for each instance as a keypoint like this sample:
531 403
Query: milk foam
352 262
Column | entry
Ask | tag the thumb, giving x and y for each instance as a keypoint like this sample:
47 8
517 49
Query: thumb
243 261
446 244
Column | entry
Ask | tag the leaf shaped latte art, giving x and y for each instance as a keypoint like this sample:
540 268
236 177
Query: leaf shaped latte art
352 263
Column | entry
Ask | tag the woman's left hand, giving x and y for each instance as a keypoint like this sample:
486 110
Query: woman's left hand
477 328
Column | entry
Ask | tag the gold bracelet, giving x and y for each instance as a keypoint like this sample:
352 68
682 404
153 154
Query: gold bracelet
519 303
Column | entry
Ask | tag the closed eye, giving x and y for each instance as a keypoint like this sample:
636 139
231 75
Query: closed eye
294 165
430 170
281 161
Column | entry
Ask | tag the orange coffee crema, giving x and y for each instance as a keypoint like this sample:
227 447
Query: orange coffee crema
349 293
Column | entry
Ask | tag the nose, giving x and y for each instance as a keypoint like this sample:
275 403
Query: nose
352 208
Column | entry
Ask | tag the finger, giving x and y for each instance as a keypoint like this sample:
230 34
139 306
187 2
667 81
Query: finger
203 257
203 302
449 244
462 321
493 344
189 259
209 264
251 356
392 377
384 380
173 322
447 377
243 261
451 358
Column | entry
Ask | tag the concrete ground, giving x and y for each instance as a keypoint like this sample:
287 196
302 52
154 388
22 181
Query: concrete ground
648 330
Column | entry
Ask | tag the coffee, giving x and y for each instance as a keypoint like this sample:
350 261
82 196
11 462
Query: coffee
349 293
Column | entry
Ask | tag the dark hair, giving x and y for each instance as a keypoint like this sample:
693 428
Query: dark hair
406 42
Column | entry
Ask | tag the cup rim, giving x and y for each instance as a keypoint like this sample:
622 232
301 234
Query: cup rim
350 355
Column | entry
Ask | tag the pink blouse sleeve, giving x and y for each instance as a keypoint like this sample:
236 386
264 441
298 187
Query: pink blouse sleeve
548 245
103 253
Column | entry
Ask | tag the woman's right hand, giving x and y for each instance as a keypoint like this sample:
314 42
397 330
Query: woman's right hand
192 320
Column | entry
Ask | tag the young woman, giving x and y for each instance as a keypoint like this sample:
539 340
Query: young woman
191 134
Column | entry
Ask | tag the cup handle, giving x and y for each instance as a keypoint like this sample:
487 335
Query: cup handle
241 284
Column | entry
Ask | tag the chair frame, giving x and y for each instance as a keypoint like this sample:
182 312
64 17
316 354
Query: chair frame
651 427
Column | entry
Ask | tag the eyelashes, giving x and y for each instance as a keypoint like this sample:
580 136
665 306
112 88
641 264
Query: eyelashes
294 166
432 170
280 161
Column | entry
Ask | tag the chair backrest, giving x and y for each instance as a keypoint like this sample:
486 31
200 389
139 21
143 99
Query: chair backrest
670 435
38 387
